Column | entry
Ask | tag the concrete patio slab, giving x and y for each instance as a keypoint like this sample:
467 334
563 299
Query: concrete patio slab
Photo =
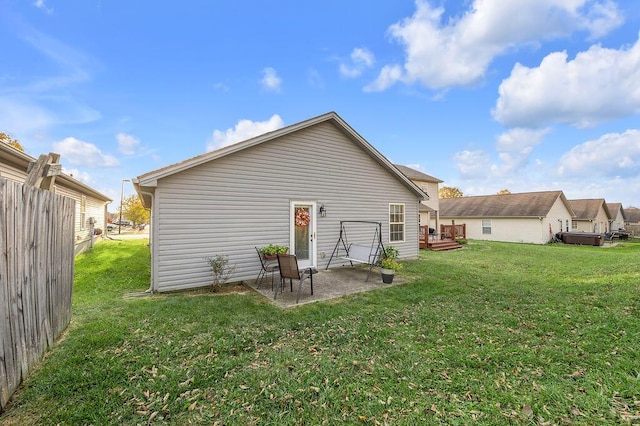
327 284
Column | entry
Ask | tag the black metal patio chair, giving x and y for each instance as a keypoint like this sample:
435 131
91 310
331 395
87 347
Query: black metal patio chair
266 267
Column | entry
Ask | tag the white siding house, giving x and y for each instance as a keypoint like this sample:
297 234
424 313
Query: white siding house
91 205
246 195
530 217
617 216
592 215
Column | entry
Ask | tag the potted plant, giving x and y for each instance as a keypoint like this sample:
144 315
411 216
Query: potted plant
273 250
388 264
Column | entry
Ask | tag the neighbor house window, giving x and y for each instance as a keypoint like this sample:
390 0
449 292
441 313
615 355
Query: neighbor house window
83 211
574 225
396 223
486 226
567 227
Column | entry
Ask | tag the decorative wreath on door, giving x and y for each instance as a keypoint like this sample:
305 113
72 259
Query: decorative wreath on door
302 217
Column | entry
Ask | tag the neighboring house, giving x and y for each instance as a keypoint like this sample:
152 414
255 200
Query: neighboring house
591 215
91 206
632 221
617 216
632 216
226 202
429 209
529 217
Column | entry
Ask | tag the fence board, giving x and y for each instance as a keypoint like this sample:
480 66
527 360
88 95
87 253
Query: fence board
36 277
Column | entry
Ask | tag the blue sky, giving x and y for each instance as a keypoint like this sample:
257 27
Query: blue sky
486 95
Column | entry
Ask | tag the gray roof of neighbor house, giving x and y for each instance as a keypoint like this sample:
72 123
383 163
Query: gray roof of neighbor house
526 204
19 160
632 215
148 181
414 174
614 207
587 209
424 208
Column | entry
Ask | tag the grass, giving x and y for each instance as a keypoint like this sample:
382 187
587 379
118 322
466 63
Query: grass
493 334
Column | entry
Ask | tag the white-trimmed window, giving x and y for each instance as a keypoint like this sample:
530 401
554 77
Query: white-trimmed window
396 223
83 211
574 225
486 226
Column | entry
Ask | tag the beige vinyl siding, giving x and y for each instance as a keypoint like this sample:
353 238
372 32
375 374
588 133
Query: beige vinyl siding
583 226
617 220
557 214
231 204
533 230
516 230
430 219
601 220
94 208
12 174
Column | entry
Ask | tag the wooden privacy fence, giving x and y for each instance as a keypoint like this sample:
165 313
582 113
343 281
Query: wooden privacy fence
36 277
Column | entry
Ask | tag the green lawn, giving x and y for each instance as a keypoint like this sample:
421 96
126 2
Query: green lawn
492 334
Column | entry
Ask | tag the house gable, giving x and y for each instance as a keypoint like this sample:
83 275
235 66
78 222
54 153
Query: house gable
531 217
148 181
592 215
234 202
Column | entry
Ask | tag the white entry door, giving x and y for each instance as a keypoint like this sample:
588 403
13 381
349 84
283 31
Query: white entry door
303 232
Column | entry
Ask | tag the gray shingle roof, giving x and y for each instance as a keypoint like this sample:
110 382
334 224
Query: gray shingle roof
632 215
587 209
526 204
424 208
414 174
615 207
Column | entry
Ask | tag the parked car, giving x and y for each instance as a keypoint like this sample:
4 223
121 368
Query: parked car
111 226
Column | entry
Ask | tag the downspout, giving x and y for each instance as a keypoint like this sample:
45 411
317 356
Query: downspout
151 239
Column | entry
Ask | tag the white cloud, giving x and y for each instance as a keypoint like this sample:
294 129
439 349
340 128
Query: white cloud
387 77
48 100
515 147
270 80
598 85
472 164
361 58
459 51
21 116
83 177
612 155
245 129
127 144
74 64
87 154
41 4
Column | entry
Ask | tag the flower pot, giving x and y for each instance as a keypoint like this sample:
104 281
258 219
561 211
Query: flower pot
270 256
387 275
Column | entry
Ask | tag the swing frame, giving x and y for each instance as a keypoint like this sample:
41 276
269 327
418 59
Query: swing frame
359 253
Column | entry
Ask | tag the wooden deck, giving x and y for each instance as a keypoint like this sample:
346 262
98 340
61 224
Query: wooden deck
442 245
